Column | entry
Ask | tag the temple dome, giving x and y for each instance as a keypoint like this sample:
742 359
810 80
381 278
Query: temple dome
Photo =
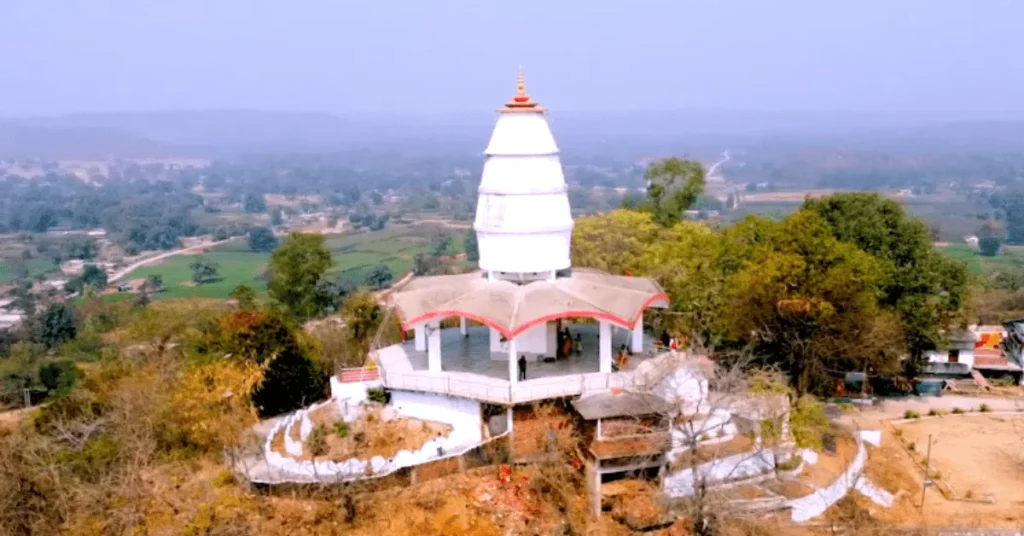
523 219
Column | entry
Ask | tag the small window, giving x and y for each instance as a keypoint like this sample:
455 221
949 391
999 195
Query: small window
954 356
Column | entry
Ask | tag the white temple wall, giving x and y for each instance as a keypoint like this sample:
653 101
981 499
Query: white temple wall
524 253
685 388
536 341
521 134
736 467
461 413
519 175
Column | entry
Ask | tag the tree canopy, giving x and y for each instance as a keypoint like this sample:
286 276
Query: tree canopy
815 293
296 269
470 245
926 290
673 186
262 239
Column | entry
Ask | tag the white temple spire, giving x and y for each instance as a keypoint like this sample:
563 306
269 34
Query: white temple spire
523 221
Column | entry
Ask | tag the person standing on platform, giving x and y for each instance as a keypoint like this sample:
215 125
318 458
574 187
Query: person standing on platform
522 367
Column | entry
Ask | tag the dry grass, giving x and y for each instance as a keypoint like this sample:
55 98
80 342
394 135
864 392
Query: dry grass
829 468
635 503
736 445
790 489
371 435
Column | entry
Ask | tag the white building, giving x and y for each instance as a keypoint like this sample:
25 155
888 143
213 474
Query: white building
510 347
522 299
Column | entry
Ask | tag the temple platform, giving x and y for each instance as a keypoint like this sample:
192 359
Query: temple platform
471 353
470 370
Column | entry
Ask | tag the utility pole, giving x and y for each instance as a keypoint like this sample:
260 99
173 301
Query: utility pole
927 476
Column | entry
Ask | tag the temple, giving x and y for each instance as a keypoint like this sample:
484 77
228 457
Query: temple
531 326
528 327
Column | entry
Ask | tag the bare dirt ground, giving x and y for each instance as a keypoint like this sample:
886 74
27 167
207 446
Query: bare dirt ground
830 467
963 449
976 455
10 419
784 197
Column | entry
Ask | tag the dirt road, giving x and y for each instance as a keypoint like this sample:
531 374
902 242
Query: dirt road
132 267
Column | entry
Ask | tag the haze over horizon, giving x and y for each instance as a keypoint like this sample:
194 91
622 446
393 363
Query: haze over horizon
918 57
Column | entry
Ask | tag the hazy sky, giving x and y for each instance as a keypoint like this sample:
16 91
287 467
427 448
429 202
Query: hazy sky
404 56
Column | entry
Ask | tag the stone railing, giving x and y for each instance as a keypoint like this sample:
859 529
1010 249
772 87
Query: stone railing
477 387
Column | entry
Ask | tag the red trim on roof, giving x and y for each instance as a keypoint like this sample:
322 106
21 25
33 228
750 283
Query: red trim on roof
407 325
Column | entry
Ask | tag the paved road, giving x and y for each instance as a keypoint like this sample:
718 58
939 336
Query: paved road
130 268
714 167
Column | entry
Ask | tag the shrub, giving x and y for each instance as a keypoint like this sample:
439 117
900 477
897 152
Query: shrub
59 377
911 414
341 429
984 408
912 446
223 479
807 422
317 441
958 411
898 432
935 412
792 463
379 395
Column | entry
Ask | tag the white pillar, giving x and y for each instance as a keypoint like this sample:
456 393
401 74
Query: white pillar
462 326
637 342
433 346
495 340
552 339
513 362
420 337
605 344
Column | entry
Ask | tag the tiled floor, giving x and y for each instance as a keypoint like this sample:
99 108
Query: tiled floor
472 354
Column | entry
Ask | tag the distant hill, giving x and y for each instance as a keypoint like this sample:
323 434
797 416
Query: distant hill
18 140
214 133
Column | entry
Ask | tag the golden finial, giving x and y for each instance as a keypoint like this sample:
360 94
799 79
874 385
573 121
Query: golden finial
521 102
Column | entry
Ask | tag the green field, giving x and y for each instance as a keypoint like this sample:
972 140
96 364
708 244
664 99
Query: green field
9 269
353 255
1010 256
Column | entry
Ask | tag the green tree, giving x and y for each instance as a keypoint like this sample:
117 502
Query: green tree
296 269
673 186
262 239
1011 202
470 245
55 326
805 302
989 246
20 371
442 245
613 242
926 290
204 270
380 276
291 379
59 377
990 240
92 276
245 296
254 202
